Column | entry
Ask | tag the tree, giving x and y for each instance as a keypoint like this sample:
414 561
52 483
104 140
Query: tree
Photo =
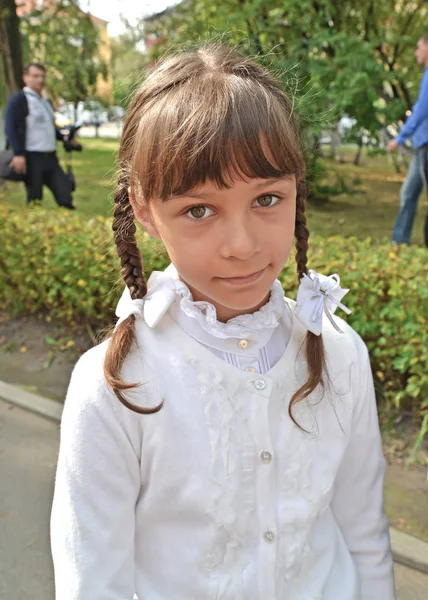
10 48
128 61
66 41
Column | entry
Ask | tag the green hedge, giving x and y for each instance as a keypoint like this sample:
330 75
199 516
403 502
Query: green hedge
65 265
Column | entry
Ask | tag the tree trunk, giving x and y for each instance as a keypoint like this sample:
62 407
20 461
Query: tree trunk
10 46
395 162
317 146
357 158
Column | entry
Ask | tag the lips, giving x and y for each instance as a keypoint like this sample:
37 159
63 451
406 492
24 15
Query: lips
242 279
243 276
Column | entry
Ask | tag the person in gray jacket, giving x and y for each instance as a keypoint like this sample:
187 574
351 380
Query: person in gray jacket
32 135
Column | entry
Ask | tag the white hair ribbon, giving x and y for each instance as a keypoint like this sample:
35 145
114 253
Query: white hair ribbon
317 295
152 308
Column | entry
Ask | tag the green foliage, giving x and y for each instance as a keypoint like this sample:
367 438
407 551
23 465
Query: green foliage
67 42
127 63
60 263
337 57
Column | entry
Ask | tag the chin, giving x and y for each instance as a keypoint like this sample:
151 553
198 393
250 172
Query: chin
244 302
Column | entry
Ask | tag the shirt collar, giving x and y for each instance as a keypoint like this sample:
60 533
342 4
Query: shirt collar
28 90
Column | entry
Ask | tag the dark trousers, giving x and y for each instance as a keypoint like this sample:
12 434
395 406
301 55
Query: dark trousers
43 168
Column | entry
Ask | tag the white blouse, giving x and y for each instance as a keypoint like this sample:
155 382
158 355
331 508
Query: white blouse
219 495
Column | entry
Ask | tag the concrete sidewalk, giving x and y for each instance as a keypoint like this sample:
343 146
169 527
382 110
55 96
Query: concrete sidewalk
28 450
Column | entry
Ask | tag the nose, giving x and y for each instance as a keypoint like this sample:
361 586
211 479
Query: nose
241 239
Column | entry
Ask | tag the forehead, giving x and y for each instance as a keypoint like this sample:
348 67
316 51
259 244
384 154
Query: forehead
35 71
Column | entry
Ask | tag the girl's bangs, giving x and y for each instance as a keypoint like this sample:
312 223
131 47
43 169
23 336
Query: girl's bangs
241 134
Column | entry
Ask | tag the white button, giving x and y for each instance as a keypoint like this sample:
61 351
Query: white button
243 344
266 457
269 536
260 384
250 369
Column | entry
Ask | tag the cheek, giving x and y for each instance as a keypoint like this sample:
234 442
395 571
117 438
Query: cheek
282 237
188 253
284 225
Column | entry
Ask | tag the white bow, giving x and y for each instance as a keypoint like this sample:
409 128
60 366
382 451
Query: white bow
319 294
152 308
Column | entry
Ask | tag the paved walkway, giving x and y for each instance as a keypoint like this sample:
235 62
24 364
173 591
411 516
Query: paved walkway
28 451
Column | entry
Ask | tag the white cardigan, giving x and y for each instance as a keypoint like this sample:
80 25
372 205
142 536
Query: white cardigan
220 496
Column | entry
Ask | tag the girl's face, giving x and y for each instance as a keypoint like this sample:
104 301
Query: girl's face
228 245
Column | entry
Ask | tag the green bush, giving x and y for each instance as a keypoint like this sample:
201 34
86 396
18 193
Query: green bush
63 264
66 266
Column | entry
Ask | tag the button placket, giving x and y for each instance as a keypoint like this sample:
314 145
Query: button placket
261 387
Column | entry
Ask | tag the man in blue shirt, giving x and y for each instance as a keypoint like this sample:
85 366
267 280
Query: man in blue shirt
31 133
417 176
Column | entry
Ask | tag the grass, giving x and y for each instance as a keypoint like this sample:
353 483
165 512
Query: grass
94 169
371 210
368 212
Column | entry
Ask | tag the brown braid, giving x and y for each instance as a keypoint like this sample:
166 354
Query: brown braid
314 347
124 236
133 274
301 232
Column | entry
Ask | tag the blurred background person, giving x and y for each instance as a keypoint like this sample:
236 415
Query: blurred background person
32 135
417 127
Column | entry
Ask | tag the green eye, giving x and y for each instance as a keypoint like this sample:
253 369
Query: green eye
198 212
266 201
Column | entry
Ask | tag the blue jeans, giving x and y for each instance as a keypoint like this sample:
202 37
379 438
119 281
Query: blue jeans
409 195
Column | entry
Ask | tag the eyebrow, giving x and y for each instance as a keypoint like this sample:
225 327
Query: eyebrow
272 180
257 186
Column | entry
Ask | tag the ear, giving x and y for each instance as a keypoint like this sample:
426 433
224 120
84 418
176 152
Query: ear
143 215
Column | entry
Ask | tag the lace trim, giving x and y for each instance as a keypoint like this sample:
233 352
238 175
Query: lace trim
267 317
307 480
232 471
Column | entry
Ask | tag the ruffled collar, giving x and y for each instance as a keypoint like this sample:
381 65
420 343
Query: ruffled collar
166 293
267 317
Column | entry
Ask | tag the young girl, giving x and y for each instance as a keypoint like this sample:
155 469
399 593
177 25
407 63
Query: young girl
223 444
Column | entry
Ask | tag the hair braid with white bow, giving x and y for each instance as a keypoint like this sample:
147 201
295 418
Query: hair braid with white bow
133 274
314 346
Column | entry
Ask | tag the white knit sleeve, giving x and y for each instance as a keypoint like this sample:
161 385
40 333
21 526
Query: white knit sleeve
358 503
96 490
